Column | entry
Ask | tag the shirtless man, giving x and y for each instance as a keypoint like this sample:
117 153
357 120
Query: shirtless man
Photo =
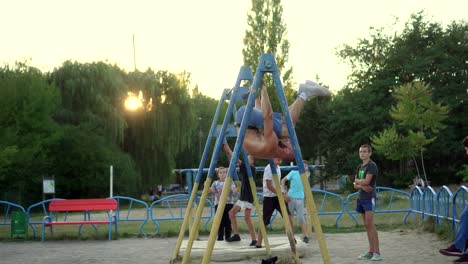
267 134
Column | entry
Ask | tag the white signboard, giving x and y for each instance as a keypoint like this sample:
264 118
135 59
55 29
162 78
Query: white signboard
49 185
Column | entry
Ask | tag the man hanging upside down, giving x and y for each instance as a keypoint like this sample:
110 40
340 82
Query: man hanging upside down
267 134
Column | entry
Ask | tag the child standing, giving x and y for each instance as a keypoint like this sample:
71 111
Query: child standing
217 186
366 183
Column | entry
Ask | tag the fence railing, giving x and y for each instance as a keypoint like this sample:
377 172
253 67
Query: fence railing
173 208
384 204
6 210
132 210
421 202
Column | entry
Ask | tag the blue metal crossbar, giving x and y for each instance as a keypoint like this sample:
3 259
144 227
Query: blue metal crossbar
322 209
444 203
9 208
172 208
40 209
384 202
132 213
447 206
459 203
429 202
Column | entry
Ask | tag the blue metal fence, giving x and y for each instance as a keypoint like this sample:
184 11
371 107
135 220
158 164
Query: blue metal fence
423 203
173 208
6 209
384 202
132 212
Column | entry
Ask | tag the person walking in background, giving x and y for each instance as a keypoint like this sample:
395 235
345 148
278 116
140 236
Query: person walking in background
366 183
151 194
417 181
270 198
460 246
245 201
217 186
296 195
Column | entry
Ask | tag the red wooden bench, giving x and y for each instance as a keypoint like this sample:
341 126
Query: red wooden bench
81 205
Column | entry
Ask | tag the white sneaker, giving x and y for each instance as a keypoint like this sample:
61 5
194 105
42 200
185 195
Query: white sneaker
310 88
376 257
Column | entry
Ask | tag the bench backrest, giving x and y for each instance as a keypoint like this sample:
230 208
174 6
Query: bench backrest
82 205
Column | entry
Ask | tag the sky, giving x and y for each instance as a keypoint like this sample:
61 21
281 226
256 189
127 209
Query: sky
203 37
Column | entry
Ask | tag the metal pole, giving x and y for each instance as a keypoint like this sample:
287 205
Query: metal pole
134 53
111 191
284 212
199 137
196 223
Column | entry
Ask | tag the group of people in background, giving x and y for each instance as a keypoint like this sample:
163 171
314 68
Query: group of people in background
295 196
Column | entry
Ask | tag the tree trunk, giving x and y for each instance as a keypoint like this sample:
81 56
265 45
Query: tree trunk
416 165
422 165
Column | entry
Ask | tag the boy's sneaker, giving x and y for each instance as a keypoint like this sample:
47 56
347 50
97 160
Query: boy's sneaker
305 239
450 251
253 243
462 259
310 88
366 256
376 257
234 238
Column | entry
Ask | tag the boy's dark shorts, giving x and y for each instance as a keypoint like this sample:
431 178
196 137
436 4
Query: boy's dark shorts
365 205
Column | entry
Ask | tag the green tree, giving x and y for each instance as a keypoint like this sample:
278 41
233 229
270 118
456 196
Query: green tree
81 166
419 118
93 116
190 157
353 111
91 96
27 130
267 34
423 51
426 51
312 132
463 173
156 135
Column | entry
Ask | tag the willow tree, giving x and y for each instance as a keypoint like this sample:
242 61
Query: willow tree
91 96
93 121
163 129
267 34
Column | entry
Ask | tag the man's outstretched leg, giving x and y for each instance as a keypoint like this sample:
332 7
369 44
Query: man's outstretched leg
306 90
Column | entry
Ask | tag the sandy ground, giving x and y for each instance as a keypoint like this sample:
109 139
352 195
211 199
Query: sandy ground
397 247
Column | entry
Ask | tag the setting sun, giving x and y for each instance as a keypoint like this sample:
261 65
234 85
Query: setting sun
134 102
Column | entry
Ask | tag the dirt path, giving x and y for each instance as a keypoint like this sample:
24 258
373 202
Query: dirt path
397 247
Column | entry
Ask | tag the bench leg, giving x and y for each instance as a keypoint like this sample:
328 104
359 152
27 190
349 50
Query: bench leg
109 230
43 232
